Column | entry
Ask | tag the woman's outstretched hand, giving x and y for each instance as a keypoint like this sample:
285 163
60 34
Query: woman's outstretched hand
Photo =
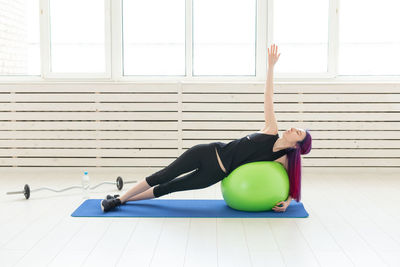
273 55
281 206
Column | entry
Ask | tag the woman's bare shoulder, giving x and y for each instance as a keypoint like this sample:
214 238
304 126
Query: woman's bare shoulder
268 131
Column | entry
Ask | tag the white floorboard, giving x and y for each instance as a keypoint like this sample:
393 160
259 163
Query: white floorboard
354 221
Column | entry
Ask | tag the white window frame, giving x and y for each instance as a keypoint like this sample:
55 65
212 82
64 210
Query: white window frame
332 29
264 37
45 47
260 65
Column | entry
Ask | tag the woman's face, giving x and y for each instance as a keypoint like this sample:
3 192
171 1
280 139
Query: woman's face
294 135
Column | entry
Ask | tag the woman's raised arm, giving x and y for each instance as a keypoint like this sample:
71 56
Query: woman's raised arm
269 114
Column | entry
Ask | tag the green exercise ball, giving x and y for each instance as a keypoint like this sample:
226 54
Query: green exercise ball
256 186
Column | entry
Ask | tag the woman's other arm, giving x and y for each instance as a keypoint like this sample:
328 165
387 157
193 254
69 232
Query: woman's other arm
282 205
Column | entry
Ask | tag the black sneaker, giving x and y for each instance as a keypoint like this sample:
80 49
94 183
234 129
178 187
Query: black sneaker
111 197
109 204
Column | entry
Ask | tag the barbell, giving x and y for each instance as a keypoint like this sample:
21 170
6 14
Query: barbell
27 190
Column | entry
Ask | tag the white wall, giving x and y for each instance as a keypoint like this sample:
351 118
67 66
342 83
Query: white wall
13 36
146 126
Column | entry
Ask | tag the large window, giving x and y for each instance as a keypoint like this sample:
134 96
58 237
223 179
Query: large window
369 39
154 37
189 40
77 36
224 39
19 37
301 32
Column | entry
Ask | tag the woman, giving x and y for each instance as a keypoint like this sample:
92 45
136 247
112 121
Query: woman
212 162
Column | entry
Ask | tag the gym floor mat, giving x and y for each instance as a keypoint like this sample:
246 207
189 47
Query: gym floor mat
183 208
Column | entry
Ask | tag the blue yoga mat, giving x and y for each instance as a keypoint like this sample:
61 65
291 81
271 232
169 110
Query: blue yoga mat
193 208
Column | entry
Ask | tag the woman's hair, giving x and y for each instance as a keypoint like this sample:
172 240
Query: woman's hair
294 165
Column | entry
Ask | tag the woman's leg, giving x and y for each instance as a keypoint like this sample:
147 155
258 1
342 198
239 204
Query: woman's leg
137 189
148 194
187 161
206 175
200 178
194 180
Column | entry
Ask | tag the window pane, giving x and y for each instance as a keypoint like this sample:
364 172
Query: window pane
369 44
154 37
19 37
301 33
224 37
77 36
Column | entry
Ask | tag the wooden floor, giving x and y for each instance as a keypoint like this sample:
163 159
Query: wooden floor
354 221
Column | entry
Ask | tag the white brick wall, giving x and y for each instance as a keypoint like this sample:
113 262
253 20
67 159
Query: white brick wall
13 37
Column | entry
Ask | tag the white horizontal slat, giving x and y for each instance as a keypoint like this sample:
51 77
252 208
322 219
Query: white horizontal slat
327 144
89 135
167 153
92 97
292 87
107 162
140 162
354 153
73 87
105 125
204 107
118 106
194 134
190 86
318 98
204 116
88 143
304 107
350 162
241 125
316 134
106 173
80 116
290 116
84 152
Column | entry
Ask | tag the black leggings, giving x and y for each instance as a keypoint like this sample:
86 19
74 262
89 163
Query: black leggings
201 158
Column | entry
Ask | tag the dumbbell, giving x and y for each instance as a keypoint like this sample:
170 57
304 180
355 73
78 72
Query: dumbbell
27 191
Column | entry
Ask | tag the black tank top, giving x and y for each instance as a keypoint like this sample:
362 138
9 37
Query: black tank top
252 147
